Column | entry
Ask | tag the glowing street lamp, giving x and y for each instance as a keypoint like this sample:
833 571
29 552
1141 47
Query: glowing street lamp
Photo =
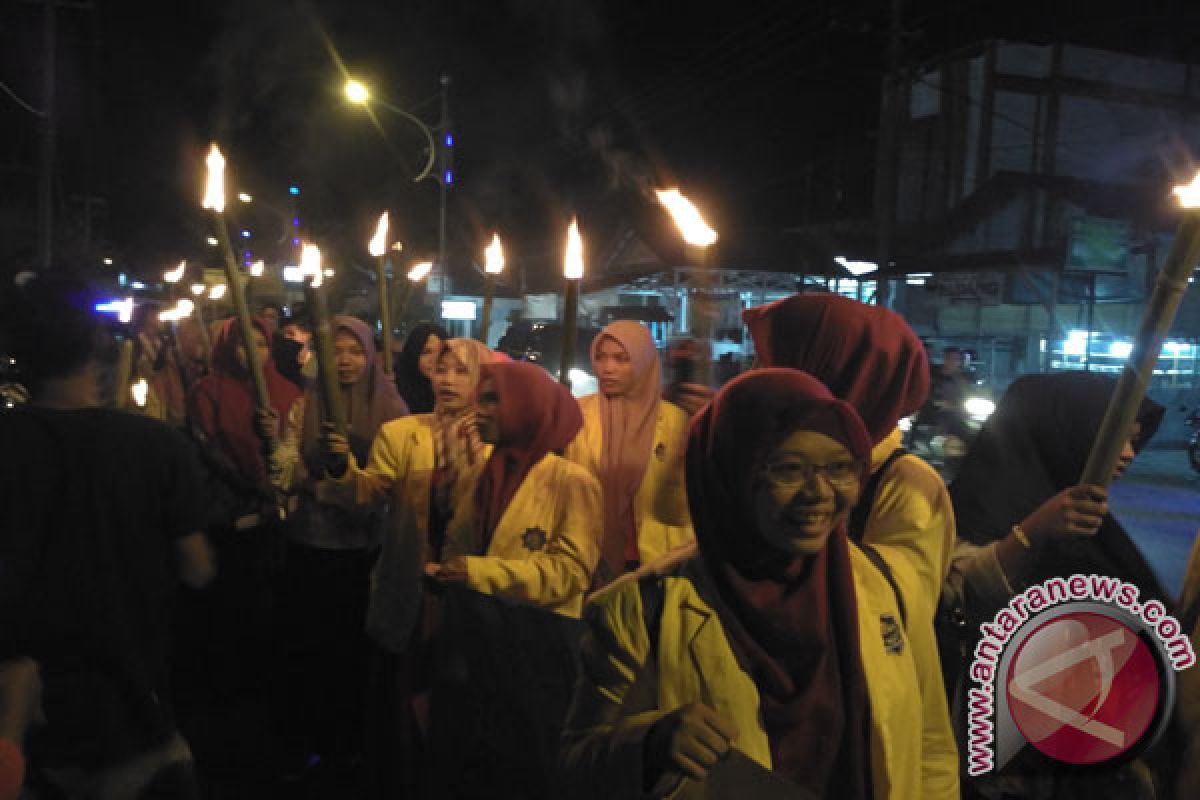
357 92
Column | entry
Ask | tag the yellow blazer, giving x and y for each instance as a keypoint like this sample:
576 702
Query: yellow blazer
399 473
546 545
660 507
619 698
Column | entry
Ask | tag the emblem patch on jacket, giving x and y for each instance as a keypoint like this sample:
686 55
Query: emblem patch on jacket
660 452
534 539
893 636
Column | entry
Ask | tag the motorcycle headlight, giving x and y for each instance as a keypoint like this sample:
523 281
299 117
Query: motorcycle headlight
979 408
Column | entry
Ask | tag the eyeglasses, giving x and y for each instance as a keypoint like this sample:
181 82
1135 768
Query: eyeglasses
792 474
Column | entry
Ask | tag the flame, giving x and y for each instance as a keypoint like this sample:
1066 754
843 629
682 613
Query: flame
310 264
217 292
1189 196
420 271
139 390
175 275
378 245
198 289
687 218
257 269
183 308
573 259
398 247
122 308
214 190
494 256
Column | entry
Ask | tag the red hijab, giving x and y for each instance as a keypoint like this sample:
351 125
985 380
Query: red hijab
866 355
793 623
537 416
229 392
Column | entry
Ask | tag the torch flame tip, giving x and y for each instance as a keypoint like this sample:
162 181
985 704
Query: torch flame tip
573 257
378 244
687 218
494 256
1189 194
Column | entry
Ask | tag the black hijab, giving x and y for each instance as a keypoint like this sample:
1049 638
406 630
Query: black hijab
414 387
1034 446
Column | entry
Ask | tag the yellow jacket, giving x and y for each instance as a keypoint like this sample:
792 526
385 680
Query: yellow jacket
660 508
912 511
913 755
399 473
545 547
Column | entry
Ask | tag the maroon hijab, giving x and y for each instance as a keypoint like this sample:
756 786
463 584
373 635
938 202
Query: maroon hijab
537 416
229 392
368 403
866 355
792 622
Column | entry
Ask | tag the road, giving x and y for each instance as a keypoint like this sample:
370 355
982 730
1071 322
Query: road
1158 502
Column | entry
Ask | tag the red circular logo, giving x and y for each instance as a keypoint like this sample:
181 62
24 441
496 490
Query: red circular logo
1083 688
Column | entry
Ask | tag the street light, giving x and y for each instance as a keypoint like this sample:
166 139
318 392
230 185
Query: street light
359 94
356 92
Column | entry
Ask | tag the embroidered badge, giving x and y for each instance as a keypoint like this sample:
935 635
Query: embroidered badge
893 636
660 452
534 538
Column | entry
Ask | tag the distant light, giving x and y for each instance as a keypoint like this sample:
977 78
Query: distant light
448 178
919 275
108 262
905 424
245 234
198 289
458 309
856 268
582 383
245 198
295 222
257 269
1120 349
212 241
329 273
357 92
122 279
139 391
122 308
138 285
449 140
294 191
979 408
292 274
915 281
296 241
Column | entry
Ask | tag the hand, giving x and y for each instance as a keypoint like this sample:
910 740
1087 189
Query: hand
690 740
1077 511
20 698
335 450
692 397
266 424
452 572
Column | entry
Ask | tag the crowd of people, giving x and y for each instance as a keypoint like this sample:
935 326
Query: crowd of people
480 586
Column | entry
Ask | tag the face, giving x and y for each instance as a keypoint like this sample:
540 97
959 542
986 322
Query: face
427 363
260 344
271 314
349 357
487 412
451 383
1127 452
296 333
614 369
802 490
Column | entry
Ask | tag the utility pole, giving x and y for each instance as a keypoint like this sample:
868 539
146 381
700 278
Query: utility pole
445 178
886 155
45 190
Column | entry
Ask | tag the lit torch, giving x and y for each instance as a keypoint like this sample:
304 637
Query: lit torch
1156 321
139 391
699 238
378 248
331 390
573 273
214 200
418 273
172 277
493 265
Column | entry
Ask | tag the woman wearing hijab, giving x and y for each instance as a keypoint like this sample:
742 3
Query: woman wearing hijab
323 588
519 557
633 443
1023 518
418 360
421 467
869 357
781 640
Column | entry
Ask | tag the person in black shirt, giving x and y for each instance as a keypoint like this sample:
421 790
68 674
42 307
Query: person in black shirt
99 515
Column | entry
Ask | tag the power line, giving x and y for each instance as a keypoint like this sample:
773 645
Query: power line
17 99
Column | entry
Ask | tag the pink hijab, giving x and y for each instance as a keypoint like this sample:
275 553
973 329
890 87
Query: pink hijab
628 422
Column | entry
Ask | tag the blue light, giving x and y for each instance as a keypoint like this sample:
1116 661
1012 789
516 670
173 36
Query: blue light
294 190
122 279
296 240
295 222
449 139
448 178
245 234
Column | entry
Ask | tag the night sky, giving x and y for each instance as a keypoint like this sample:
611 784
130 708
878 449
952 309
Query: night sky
764 112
